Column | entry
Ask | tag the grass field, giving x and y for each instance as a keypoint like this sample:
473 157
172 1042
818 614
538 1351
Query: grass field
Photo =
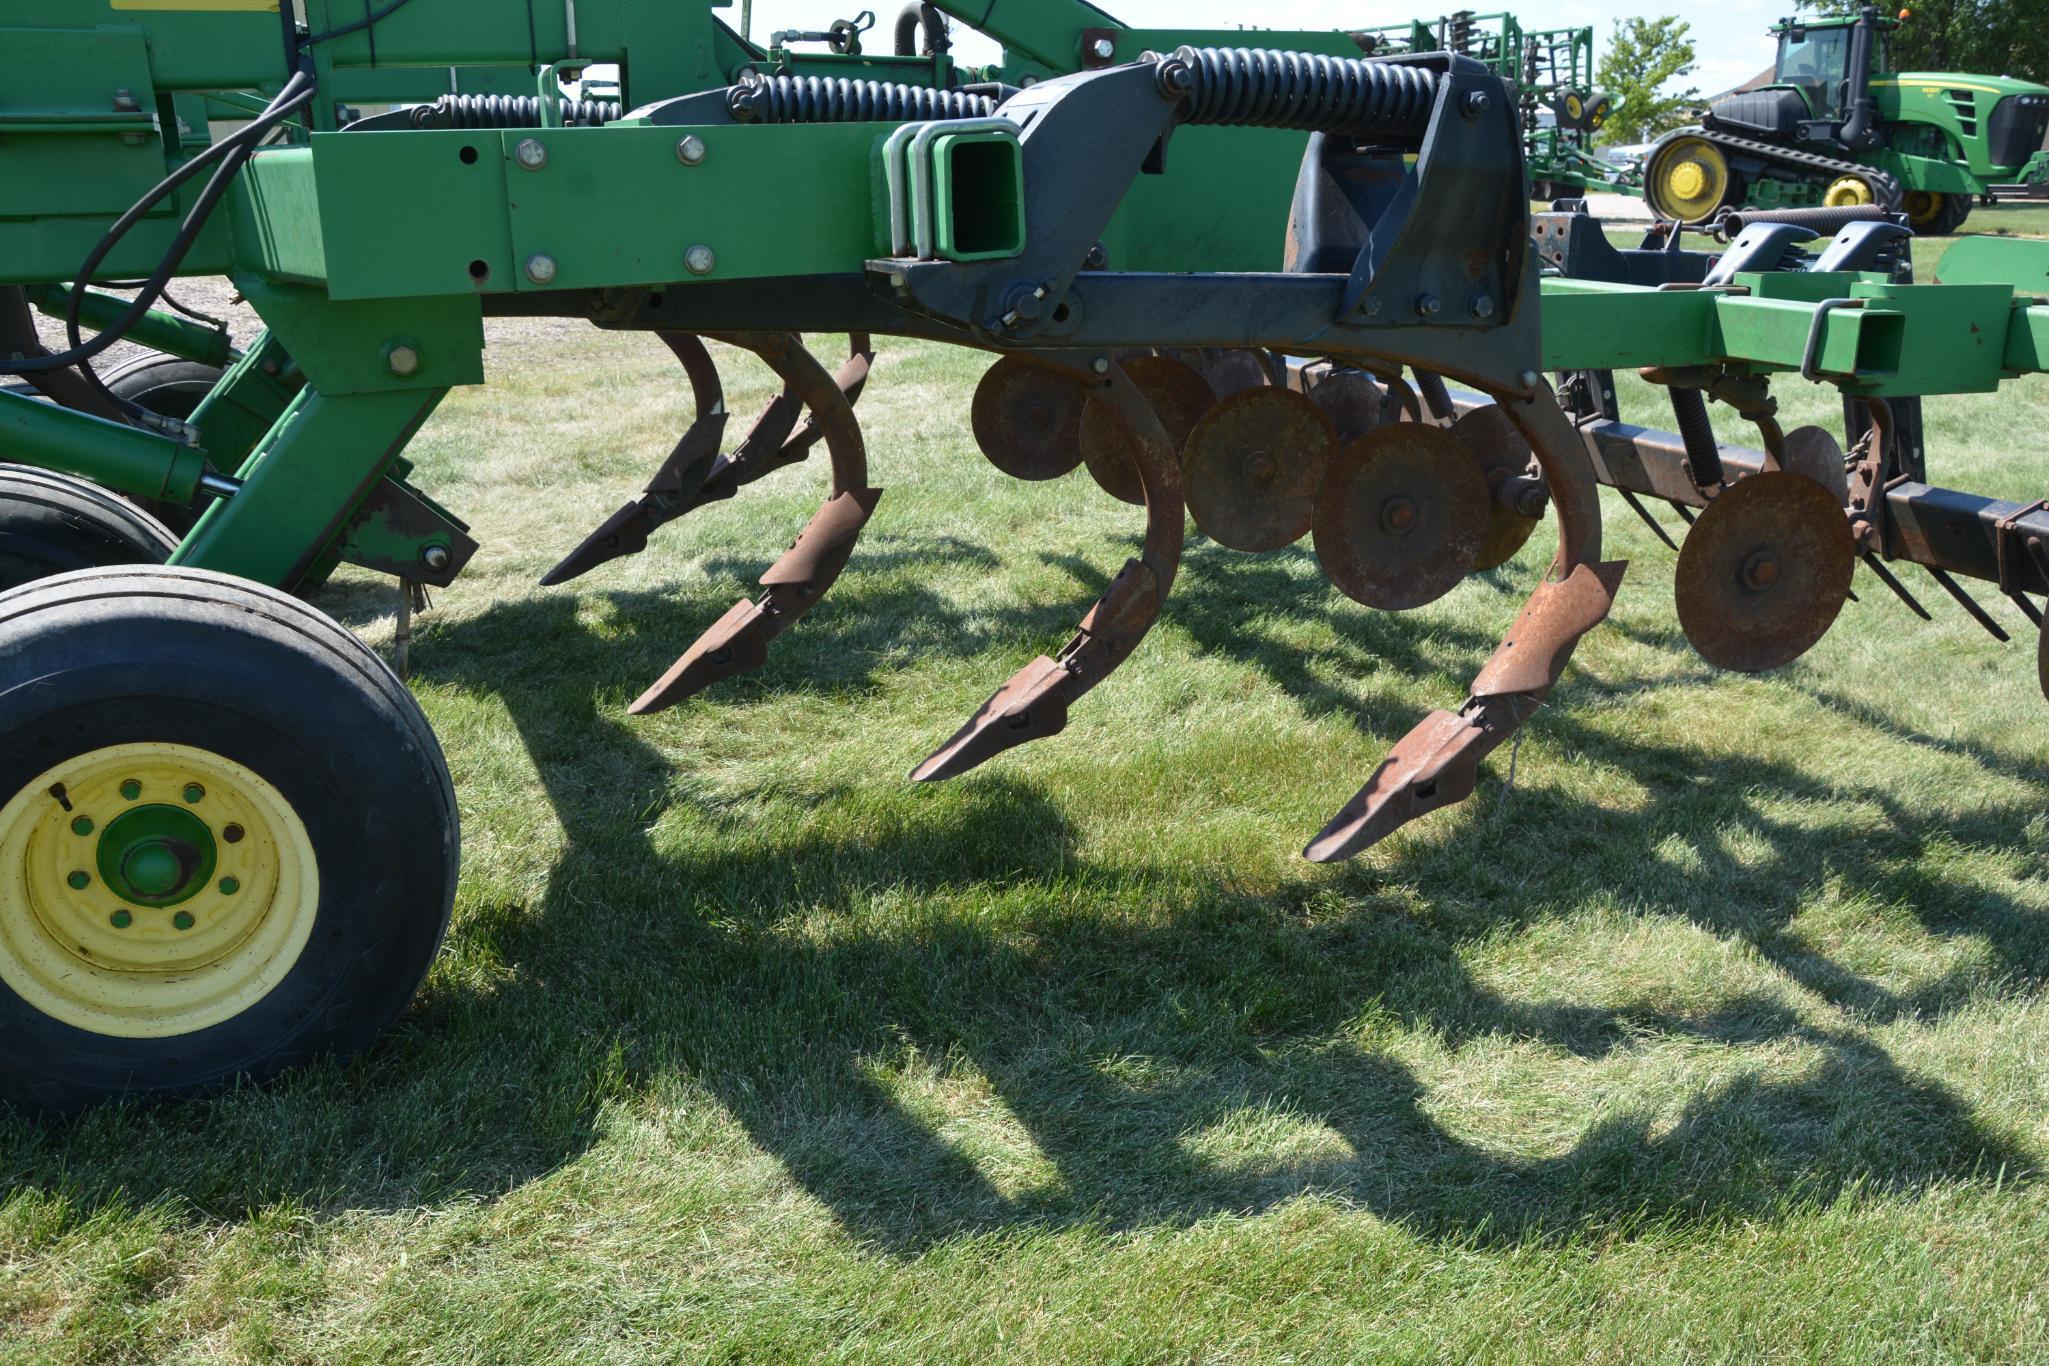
1722 1032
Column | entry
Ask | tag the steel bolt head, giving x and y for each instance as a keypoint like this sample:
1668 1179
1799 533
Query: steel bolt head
402 359
130 790
121 920
1427 305
1530 379
690 151
1101 365
79 881
1483 305
230 886
699 260
81 825
435 557
194 793
540 268
1474 104
1102 49
183 920
530 154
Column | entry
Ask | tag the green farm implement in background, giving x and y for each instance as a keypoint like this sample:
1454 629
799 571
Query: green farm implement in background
1838 126
1236 285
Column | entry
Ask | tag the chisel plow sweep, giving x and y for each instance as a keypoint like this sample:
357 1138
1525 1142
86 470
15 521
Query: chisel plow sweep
211 797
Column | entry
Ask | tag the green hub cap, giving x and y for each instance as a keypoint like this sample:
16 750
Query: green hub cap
156 855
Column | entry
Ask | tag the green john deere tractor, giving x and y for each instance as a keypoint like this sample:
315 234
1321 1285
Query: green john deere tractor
1837 127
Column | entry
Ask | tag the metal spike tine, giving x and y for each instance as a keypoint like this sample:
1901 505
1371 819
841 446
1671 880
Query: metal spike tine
1970 604
2033 613
1656 527
1899 590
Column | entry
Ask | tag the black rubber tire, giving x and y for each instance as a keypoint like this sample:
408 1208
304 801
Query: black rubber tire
166 385
1958 209
53 523
112 656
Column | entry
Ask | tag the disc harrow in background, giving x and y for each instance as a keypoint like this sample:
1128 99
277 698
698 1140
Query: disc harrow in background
1179 395
1027 418
1236 370
1353 400
1251 468
1814 452
1764 571
1503 455
1402 516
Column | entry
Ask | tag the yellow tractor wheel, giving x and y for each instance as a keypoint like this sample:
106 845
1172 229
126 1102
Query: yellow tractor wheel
1924 209
227 837
1688 179
1847 192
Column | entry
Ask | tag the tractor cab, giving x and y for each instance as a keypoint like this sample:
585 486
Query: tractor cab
1814 59
1821 84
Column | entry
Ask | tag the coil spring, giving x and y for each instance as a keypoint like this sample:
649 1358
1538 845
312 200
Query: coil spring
1697 431
1299 90
1821 220
509 111
815 99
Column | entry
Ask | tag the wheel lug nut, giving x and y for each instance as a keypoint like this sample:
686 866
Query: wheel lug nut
131 789
232 834
81 825
79 881
194 792
229 886
120 920
183 920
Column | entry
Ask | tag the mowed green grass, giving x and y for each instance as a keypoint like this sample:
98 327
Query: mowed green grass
1721 1032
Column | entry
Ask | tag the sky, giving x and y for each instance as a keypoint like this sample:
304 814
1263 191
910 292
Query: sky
1729 35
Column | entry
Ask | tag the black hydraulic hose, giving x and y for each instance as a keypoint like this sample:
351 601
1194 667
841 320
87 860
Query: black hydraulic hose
231 152
913 17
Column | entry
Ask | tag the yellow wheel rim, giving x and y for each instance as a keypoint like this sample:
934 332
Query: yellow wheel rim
1922 207
148 890
1574 108
1689 180
1845 191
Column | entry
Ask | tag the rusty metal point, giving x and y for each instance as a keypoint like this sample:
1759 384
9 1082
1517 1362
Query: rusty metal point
1031 706
1764 572
1815 453
1504 454
735 643
1179 396
1434 765
1401 517
1027 418
1251 468
625 532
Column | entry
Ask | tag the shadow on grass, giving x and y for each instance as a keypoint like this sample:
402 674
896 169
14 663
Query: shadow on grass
1128 1019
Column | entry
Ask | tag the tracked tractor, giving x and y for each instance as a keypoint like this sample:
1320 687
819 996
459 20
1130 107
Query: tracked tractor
1837 126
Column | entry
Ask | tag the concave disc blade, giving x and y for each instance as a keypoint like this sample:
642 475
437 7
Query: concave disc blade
1503 454
1401 516
1252 467
1814 452
1179 397
1352 399
1027 418
1764 571
1235 370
